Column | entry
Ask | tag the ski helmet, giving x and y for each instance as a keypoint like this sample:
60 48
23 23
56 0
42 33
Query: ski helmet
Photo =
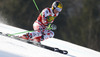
57 5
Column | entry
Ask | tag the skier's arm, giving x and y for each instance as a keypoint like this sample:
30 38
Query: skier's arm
45 13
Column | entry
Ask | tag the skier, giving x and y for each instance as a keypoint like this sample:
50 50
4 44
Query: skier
44 20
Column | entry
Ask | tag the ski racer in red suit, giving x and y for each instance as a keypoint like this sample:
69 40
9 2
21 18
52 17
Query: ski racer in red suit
45 18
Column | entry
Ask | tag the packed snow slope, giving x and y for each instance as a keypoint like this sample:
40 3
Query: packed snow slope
14 48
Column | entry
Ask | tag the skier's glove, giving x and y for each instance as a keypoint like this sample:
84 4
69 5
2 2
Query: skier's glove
54 27
51 27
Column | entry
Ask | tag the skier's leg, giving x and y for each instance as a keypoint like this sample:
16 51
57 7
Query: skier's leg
36 34
51 35
26 36
38 27
48 34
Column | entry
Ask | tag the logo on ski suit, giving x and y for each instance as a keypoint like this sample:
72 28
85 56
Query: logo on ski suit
50 18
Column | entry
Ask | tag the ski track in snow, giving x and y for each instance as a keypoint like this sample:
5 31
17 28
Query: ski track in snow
14 48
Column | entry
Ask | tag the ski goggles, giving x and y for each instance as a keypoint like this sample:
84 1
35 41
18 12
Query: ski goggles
58 9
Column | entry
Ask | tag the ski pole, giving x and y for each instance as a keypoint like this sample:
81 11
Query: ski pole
48 28
19 33
36 6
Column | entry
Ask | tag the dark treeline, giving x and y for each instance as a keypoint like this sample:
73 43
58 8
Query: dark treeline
79 21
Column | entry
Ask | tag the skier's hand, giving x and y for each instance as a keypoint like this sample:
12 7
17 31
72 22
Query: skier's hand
54 27
51 27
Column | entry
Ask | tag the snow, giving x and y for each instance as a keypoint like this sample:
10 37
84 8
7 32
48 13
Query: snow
14 48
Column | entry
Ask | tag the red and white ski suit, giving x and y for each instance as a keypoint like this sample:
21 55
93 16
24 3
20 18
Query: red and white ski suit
45 17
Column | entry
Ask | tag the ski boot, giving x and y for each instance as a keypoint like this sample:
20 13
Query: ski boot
36 41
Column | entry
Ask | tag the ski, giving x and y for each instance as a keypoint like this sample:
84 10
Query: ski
40 45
